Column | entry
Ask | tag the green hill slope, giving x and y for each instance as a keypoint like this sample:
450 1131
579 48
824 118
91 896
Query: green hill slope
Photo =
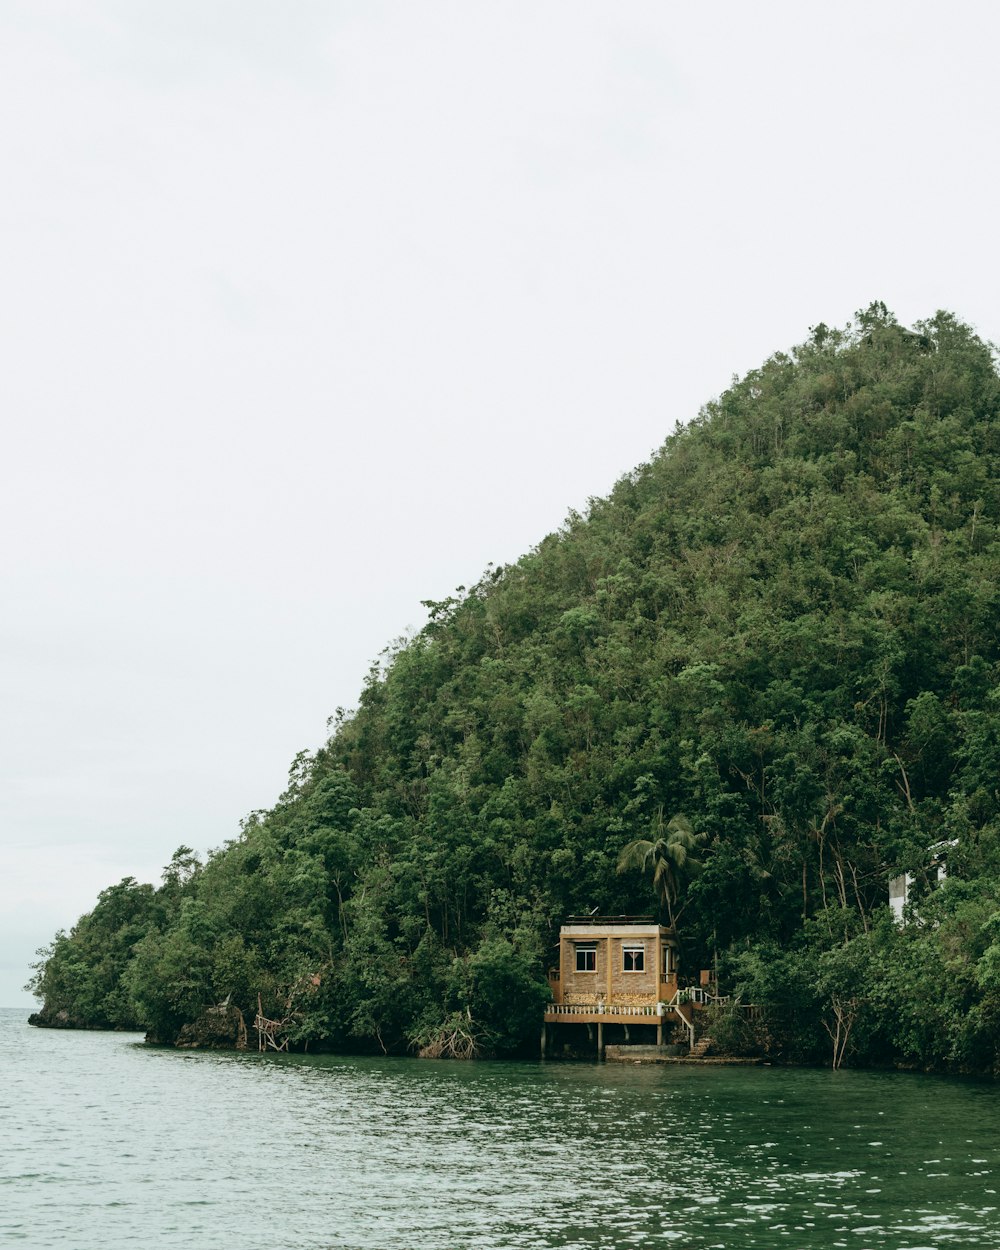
784 627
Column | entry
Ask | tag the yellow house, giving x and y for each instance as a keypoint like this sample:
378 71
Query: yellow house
614 970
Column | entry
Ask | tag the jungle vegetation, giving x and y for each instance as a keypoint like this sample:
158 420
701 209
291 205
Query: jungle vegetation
777 640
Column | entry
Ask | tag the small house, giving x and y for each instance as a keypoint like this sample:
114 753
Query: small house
614 970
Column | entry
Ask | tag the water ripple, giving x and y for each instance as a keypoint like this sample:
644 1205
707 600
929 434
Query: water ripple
119 1145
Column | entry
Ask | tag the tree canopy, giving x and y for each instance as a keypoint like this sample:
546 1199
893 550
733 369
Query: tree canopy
784 626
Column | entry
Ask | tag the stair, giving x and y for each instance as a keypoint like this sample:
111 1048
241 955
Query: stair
701 1048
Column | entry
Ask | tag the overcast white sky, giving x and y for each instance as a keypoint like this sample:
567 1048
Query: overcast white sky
308 311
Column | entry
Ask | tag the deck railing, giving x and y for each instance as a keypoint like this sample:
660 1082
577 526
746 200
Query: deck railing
603 1009
695 994
704 998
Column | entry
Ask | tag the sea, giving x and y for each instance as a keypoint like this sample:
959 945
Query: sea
110 1143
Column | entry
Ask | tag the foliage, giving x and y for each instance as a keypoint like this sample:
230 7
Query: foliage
80 974
667 858
785 626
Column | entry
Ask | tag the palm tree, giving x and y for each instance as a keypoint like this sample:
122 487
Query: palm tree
668 857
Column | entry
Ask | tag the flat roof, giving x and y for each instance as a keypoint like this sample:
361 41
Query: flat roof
593 918
592 928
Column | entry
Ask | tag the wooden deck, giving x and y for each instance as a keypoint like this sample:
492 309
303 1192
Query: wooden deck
608 1013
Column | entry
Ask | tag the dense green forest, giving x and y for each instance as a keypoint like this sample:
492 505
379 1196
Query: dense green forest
783 628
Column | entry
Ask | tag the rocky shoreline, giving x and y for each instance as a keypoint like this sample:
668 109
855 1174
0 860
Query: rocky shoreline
63 1020
218 1028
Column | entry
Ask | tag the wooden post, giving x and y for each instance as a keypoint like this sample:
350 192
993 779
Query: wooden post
659 1031
545 1029
658 961
600 1039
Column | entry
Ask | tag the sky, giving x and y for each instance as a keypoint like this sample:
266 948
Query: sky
311 311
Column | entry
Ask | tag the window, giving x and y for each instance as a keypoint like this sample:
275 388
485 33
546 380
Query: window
586 957
633 958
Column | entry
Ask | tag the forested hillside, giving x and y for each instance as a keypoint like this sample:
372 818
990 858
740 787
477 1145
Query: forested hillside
783 628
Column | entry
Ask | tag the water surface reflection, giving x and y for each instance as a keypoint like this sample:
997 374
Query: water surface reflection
120 1145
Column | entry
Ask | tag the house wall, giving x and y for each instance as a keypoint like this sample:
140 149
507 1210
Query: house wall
580 987
610 981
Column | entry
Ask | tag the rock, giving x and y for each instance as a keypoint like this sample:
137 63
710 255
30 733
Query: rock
46 1019
217 1028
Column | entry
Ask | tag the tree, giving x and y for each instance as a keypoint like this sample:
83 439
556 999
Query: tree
784 625
667 858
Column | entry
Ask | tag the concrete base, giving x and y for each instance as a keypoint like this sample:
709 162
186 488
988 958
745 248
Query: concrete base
670 1054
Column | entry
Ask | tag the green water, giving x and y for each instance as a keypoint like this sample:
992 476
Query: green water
109 1144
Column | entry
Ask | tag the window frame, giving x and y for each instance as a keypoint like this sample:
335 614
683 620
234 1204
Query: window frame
629 953
586 949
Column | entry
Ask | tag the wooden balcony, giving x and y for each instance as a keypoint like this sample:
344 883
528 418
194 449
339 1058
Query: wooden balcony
603 1013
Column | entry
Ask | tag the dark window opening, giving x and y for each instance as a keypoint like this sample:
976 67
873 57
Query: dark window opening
633 958
586 958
